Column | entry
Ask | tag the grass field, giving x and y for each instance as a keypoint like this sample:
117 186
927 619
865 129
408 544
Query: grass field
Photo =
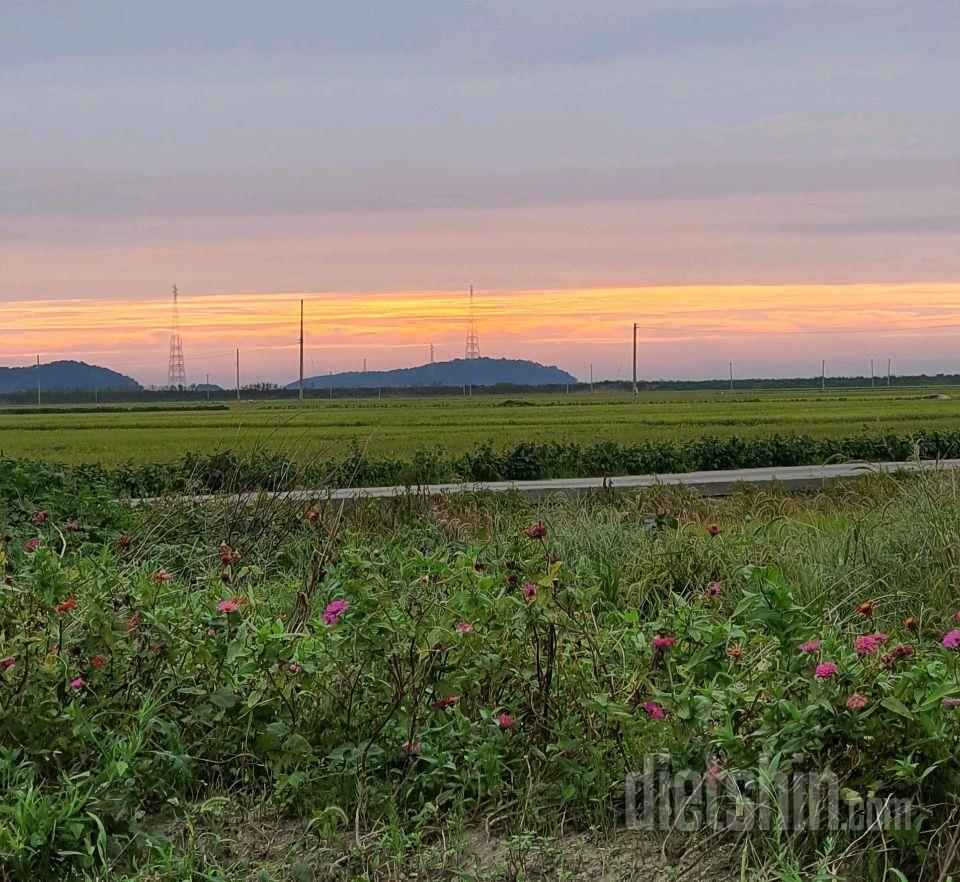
399 427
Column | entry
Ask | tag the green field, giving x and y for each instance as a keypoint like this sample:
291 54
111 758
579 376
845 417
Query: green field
400 426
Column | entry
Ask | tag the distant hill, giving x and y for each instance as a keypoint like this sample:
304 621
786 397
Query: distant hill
63 375
459 372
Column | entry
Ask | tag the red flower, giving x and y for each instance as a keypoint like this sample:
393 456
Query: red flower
464 627
162 576
124 542
735 651
714 529
41 517
444 703
866 608
97 662
911 624
66 606
537 531
856 702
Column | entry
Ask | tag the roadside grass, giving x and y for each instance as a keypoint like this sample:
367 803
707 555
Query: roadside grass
188 696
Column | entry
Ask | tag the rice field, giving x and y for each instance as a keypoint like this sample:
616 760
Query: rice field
398 427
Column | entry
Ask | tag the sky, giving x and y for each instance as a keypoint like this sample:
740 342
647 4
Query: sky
769 182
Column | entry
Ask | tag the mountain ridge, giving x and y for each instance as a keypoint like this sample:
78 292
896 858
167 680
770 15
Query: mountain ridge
457 372
64 374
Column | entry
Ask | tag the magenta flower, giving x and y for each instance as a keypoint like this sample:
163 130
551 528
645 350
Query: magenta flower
901 650
810 646
856 702
8 663
293 668
71 527
715 589
444 703
231 605
957 617
162 576
663 642
464 627
951 702
654 710
335 609
825 670
77 684
952 639
32 544
504 721
537 531
41 517
880 637
529 590
866 644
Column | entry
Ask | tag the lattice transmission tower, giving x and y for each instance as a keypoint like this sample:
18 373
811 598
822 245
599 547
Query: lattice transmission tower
473 342
176 373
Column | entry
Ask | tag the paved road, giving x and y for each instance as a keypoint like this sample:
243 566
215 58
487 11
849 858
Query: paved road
720 483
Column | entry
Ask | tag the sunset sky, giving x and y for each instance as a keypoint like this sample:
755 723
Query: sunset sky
765 181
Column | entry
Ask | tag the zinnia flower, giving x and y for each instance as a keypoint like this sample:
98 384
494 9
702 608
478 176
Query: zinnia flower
714 530
162 576
529 590
504 721
293 668
133 621
825 670
77 684
911 624
124 542
952 639
866 608
32 544
537 531
412 748
41 517
715 589
654 710
735 651
856 702
880 637
8 663
866 644
66 606
810 646
464 627
231 605
71 527
444 703
97 662
663 642
335 609
901 650
951 702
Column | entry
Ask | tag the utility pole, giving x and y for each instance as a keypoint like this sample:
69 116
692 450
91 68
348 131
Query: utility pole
364 364
208 387
634 359
731 376
238 374
889 360
823 375
301 353
871 373
591 377
38 381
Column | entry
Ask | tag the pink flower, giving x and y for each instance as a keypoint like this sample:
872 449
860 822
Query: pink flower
654 710
504 721
71 527
335 609
825 670
880 637
32 544
529 590
464 627
97 662
228 606
951 702
715 589
810 646
901 650
162 576
663 642
8 663
856 702
41 517
412 748
66 606
866 644
952 639
957 617
537 531
77 684
444 703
